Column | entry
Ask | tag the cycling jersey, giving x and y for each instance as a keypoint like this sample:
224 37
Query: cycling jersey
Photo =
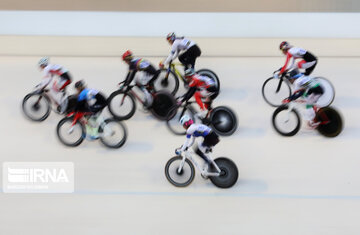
195 130
201 81
180 44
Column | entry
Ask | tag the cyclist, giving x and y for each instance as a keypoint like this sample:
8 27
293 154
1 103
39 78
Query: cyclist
49 71
196 130
190 48
308 60
310 90
201 87
90 101
145 82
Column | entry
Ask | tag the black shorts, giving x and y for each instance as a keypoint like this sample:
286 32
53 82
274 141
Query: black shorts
100 103
66 76
316 90
308 57
211 139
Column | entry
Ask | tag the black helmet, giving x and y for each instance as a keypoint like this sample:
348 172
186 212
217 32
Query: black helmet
79 84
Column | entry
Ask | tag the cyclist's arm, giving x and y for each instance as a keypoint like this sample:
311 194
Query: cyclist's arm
129 77
288 57
174 52
188 143
297 94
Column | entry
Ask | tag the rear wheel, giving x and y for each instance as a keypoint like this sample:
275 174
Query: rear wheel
113 133
330 120
162 103
228 173
285 122
181 178
223 121
68 134
121 105
167 81
36 107
270 95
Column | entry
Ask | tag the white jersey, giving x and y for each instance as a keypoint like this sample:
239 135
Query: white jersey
297 52
179 44
195 130
54 69
306 82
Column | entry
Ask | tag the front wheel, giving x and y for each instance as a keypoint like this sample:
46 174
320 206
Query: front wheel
182 177
121 105
331 123
68 134
275 90
162 103
167 81
113 133
173 119
329 92
36 107
286 122
228 173
223 121
210 74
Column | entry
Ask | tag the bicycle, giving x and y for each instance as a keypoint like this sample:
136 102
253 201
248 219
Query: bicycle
76 127
221 119
37 105
169 78
286 120
274 92
122 105
180 171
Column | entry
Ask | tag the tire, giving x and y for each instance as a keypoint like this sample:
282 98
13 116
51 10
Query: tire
329 92
173 120
119 110
104 136
172 84
64 125
39 112
270 95
162 103
223 121
333 122
187 173
210 74
229 173
280 118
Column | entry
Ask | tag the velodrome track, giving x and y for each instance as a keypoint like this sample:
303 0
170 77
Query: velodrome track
306 184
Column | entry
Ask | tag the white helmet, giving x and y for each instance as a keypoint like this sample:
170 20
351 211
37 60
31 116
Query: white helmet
186 120
44 61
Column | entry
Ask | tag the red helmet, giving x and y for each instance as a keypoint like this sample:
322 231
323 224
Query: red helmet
127 55
284 45
171 37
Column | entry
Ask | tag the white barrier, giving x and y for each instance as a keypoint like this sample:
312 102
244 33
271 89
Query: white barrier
146 46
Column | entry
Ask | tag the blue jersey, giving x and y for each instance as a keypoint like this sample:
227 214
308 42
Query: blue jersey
87 94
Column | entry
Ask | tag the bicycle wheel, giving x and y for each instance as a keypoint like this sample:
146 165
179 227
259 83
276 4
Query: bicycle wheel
223 121
210 74
173 120
36 107
329 92
167 81
113 133
182 178
270 95
228 175
121 105
331 123
162 103
70 135
285 122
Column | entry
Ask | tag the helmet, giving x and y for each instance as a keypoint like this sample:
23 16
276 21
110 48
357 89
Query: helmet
43 61
79 84
284 45
171 37
127 55
186 120
189 72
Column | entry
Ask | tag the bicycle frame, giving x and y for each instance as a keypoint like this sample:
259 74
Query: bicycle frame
188 155
132 93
